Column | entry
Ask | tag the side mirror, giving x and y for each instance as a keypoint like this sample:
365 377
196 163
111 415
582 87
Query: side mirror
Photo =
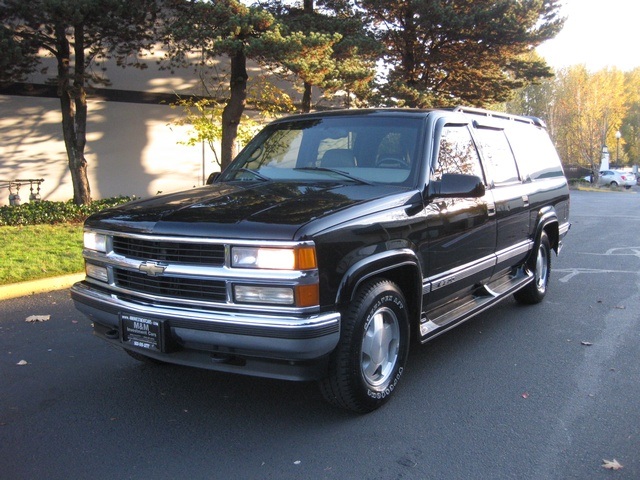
457 185
212 178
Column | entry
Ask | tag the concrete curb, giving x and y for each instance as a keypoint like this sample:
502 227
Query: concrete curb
21 289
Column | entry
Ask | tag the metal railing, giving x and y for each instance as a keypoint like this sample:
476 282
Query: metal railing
14 189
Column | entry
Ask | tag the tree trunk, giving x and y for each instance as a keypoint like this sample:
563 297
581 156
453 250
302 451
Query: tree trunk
306 98
74 112
409 36
234 108
306 95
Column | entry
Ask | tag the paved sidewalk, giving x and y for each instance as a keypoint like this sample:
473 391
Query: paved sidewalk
38 286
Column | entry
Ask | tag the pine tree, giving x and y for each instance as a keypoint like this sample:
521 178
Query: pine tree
446 52
232 29
351 66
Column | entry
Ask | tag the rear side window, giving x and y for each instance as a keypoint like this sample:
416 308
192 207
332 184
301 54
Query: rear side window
497 155
536 156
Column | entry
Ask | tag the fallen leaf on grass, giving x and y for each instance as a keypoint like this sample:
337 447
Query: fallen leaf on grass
37 318
611 464
22 363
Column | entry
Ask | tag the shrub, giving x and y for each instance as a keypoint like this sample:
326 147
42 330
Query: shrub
45 212
579 182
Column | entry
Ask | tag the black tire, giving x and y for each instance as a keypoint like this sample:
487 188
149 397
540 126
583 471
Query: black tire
540 266
613 184
370 357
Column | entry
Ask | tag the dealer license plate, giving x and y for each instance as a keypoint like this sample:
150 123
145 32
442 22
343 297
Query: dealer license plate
141 332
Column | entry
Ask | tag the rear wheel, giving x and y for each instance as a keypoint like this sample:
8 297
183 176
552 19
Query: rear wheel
535 291
370 357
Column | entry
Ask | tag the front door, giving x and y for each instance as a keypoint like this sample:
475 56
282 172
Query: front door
461 231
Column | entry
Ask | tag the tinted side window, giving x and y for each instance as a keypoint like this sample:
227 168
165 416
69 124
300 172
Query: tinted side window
497 155
535 153
457 153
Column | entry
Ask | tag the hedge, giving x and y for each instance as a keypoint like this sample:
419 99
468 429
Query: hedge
46 212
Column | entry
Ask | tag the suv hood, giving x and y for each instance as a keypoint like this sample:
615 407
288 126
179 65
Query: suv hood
231 210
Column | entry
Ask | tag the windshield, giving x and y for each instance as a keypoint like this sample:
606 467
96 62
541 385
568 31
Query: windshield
359 149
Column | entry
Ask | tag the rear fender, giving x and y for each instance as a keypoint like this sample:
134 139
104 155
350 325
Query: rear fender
547 221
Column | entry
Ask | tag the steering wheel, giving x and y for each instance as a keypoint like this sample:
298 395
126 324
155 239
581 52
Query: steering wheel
392 162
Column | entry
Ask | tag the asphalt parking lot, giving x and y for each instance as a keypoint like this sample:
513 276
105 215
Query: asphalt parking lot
541 392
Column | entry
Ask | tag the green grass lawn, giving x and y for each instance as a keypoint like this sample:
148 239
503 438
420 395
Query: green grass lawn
39 251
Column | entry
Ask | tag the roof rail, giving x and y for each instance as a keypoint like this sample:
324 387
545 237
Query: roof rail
505 116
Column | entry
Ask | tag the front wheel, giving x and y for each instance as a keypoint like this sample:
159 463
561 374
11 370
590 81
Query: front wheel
535 291
371 354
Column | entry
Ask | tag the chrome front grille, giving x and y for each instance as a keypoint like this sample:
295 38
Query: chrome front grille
204 254
173 287
189 272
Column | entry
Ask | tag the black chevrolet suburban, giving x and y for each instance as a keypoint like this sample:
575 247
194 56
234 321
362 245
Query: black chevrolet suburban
330 243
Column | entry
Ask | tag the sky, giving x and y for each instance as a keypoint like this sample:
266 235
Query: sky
597 33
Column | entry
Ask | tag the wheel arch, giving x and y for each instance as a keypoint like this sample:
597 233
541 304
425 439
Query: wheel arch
548 222
399 266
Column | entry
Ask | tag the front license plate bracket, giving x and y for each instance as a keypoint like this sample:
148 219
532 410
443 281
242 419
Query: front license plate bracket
143 333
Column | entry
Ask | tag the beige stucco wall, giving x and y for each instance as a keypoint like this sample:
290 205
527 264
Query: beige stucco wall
131 149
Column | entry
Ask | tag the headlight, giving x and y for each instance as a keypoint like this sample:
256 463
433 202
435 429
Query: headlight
95 241
294 258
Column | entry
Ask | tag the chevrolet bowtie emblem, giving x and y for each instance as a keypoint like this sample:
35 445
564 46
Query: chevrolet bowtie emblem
152 268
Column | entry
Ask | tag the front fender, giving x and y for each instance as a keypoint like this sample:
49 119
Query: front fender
382 263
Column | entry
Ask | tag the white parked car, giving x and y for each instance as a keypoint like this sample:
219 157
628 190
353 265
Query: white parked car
614 178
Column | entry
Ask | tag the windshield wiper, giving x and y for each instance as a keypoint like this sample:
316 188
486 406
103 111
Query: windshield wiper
335 170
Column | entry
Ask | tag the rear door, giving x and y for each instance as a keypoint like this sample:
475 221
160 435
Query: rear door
509 192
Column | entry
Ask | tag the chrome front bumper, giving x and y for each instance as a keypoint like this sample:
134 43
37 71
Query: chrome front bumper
269 345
